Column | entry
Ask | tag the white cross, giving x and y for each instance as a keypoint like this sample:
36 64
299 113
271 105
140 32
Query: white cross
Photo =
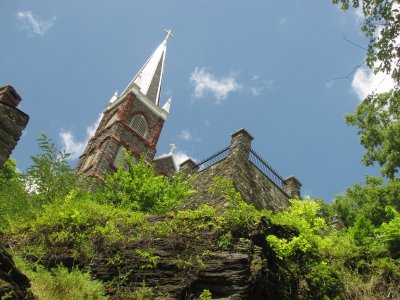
172 149
169 33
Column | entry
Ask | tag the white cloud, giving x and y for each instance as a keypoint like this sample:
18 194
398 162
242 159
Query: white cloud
71 145
256 91
257 87
185 135
329 83
365 82
33 24
283 21
204 81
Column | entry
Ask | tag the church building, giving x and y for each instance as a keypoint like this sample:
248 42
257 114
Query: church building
132 120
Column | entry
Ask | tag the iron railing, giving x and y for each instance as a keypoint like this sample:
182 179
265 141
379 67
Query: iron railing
213 159
265 168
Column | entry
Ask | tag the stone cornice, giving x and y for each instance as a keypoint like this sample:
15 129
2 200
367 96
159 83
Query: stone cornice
143 98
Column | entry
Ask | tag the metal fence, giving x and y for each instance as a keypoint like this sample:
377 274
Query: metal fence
265 168
213 159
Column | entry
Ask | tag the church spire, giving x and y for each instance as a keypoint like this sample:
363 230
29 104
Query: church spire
149 78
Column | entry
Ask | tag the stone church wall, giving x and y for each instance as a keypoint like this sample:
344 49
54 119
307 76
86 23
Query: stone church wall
255 187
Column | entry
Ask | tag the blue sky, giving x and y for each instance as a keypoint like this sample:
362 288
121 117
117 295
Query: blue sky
261 65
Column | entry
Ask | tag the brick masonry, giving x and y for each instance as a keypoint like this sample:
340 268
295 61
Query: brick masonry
104 145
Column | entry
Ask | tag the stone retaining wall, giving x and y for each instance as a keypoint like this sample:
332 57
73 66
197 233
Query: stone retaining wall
255 187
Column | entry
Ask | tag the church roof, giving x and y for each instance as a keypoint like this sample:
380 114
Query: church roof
149 78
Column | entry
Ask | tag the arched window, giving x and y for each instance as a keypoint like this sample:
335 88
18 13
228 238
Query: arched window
119 157
139 124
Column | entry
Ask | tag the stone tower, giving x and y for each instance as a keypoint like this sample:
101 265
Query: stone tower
132 120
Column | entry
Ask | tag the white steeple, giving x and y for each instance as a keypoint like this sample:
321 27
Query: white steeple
149 78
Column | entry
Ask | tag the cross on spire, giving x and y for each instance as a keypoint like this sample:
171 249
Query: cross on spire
172 148
169 33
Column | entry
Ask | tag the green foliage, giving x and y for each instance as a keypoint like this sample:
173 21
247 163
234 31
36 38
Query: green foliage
50 177
150 260
381 26
135 186
205 295
303 216
225 241
305 258
240 216
378 122
378 116
78 224
390 232
302 254
368 200
16 205
60 283
144 293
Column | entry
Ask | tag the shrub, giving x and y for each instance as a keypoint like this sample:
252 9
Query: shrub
78 224
60 283
135 186
239 217
16 204
50 177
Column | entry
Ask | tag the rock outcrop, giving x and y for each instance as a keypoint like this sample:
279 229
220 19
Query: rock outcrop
184 263
13 284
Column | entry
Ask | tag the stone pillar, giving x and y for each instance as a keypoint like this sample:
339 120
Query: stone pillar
188 167
12 121
9 96
240 144
291 187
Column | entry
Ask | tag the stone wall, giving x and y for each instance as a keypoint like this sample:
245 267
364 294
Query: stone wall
255 187
165 165
12 121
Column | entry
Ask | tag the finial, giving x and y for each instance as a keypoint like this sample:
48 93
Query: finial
169 33
172 148
114 97
167 105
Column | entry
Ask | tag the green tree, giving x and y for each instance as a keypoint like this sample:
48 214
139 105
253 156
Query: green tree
378 116
50 177
15 202
382 28
136 186
303 216
378 122
390 232
368 200
301 255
